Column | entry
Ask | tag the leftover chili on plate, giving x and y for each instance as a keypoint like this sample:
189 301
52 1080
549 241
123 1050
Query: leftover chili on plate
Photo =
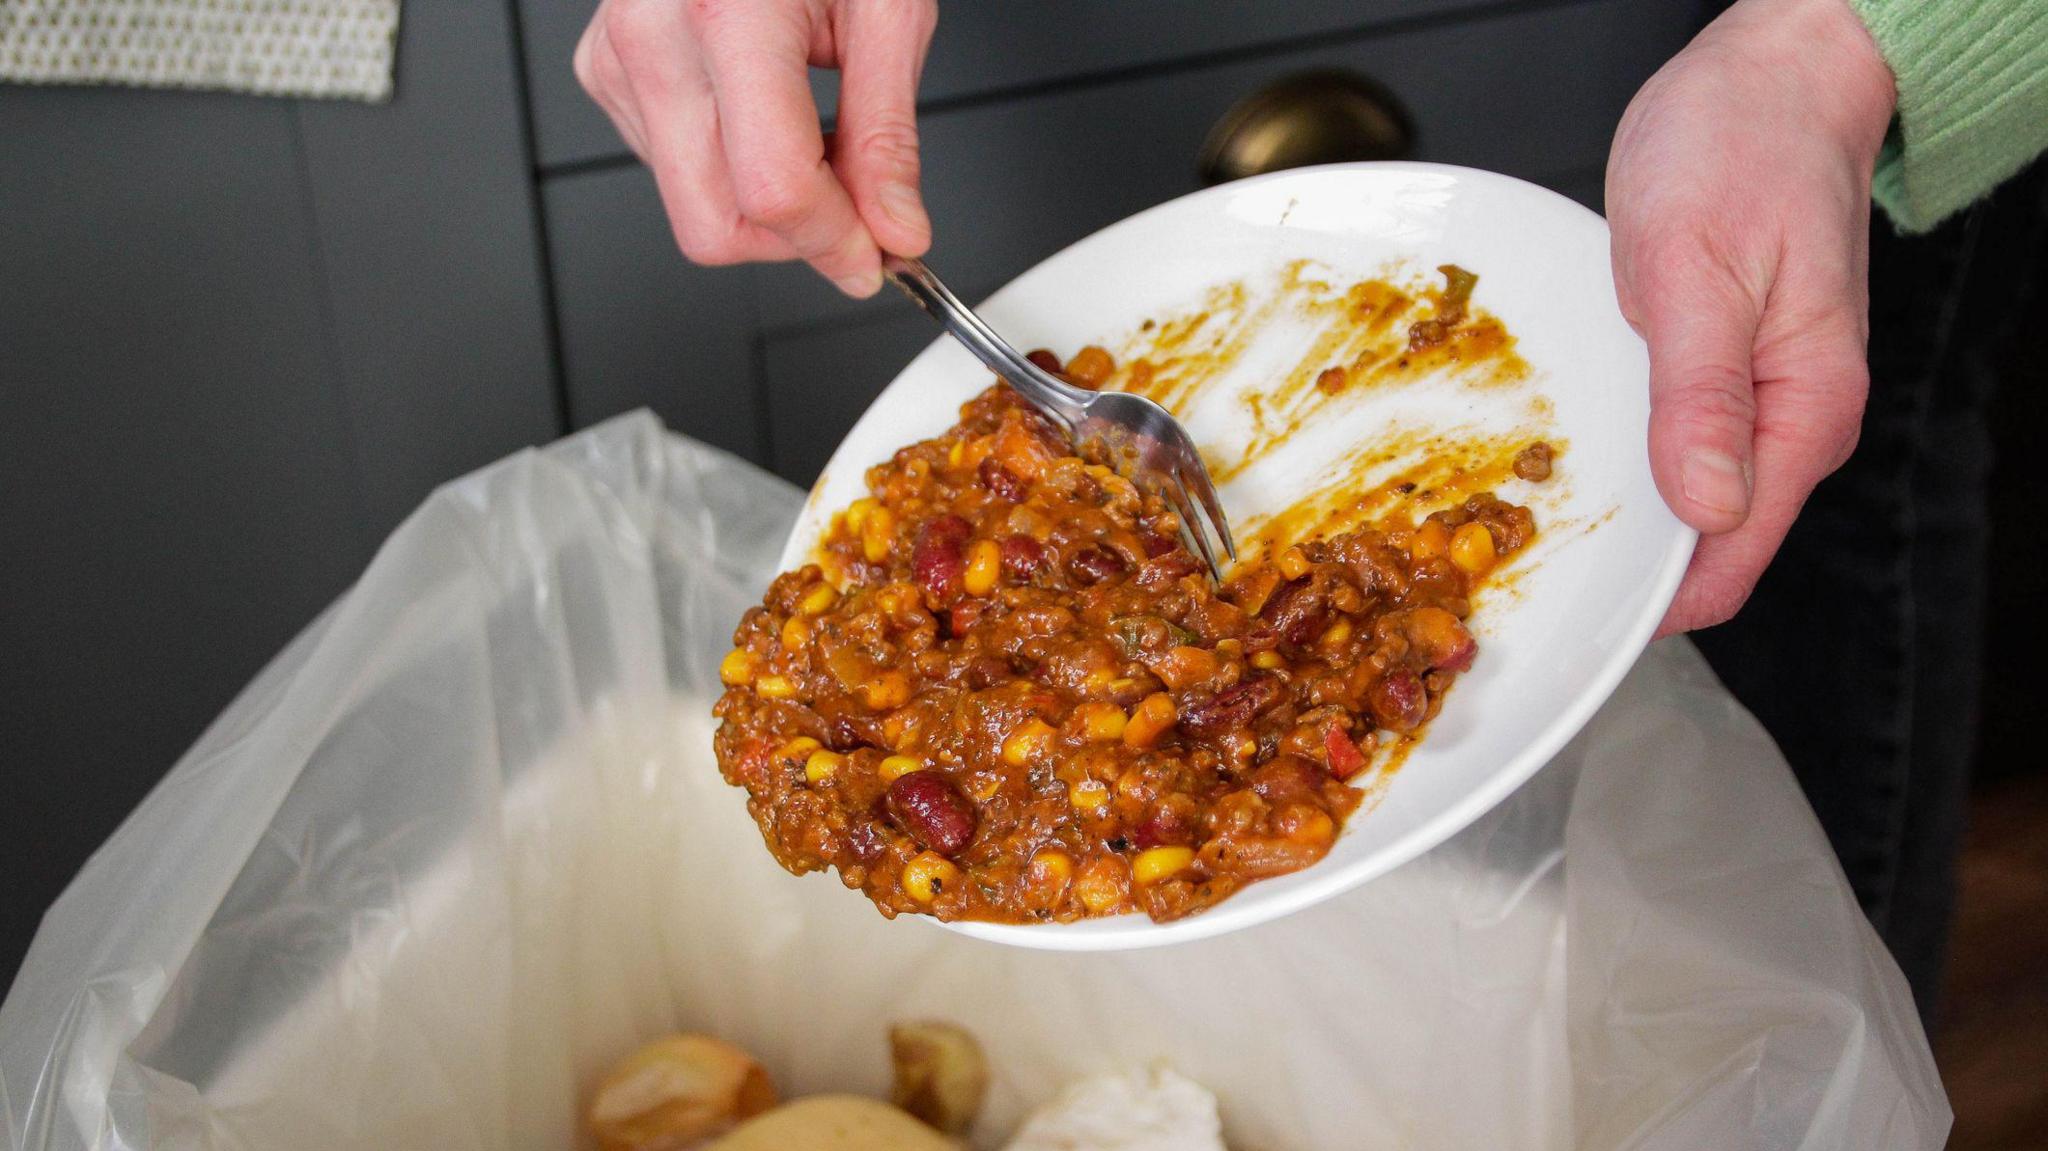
1008 692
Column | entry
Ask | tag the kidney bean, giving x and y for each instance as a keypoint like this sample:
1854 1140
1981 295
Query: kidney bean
937 558
1022 556
1046 360
1297 612
866 841
1157 544
1398 701
1233 707
1160 571
1286 775
1438 640
932 810
1171 821
998 479
1093 564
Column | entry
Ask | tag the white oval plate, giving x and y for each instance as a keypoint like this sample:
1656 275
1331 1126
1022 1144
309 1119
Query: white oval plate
1584 603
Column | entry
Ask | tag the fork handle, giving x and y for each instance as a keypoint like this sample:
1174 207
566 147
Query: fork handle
1061 401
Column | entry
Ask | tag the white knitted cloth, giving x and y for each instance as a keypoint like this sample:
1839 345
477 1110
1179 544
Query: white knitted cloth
330 48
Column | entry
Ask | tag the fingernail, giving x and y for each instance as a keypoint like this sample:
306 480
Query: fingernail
1715 480
862 286
904 207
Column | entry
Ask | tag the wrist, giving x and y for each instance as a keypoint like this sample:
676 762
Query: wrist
1855 94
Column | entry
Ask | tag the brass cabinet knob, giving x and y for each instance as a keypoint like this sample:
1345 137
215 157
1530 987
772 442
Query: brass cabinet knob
1310 118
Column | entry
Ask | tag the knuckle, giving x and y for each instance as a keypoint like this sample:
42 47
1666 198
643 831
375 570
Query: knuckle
776 197
579 63
710 248
887 140
710 13
630 22
1713 397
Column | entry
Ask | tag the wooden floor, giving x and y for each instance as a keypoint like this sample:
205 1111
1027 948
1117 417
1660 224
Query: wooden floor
1992 1043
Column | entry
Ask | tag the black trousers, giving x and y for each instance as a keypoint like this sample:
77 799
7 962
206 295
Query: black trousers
1862 649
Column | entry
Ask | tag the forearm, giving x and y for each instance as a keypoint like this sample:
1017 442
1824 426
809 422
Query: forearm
1973 100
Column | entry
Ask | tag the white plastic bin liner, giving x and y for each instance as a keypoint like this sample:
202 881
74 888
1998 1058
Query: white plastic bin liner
463 843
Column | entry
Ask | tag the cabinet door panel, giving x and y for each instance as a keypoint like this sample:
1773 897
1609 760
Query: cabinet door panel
641 326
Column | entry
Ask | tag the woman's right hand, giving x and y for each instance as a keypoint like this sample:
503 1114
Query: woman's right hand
714 96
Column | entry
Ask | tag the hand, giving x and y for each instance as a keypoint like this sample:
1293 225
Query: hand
1739 196
714 96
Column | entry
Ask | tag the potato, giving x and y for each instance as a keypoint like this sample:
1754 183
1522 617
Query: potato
941 1075
675 1093
834 1123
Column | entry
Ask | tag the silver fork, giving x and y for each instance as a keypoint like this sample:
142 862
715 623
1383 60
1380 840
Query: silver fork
1129 433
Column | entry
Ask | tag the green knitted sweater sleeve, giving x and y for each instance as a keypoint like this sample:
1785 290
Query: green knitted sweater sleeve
1973 100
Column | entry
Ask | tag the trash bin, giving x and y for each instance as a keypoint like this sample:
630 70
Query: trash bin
464 843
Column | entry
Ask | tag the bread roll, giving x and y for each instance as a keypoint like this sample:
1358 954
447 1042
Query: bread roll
834 1123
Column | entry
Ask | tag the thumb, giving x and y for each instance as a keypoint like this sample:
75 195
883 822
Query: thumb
1701 329
881 48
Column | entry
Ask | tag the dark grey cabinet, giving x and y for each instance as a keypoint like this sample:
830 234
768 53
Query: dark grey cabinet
240 338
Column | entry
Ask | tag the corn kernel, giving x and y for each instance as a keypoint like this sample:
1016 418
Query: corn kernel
817 600
857 513
1149 720
822 765
1430 540
1049 875
876 533
956 453
1267 660
1102 722
1336 634
1088 795
1030 740
737 668
1056 866
984 567
774 687
927 875
795 633
798 748
1155 864
886 692
897 766
1472 549
1293 563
